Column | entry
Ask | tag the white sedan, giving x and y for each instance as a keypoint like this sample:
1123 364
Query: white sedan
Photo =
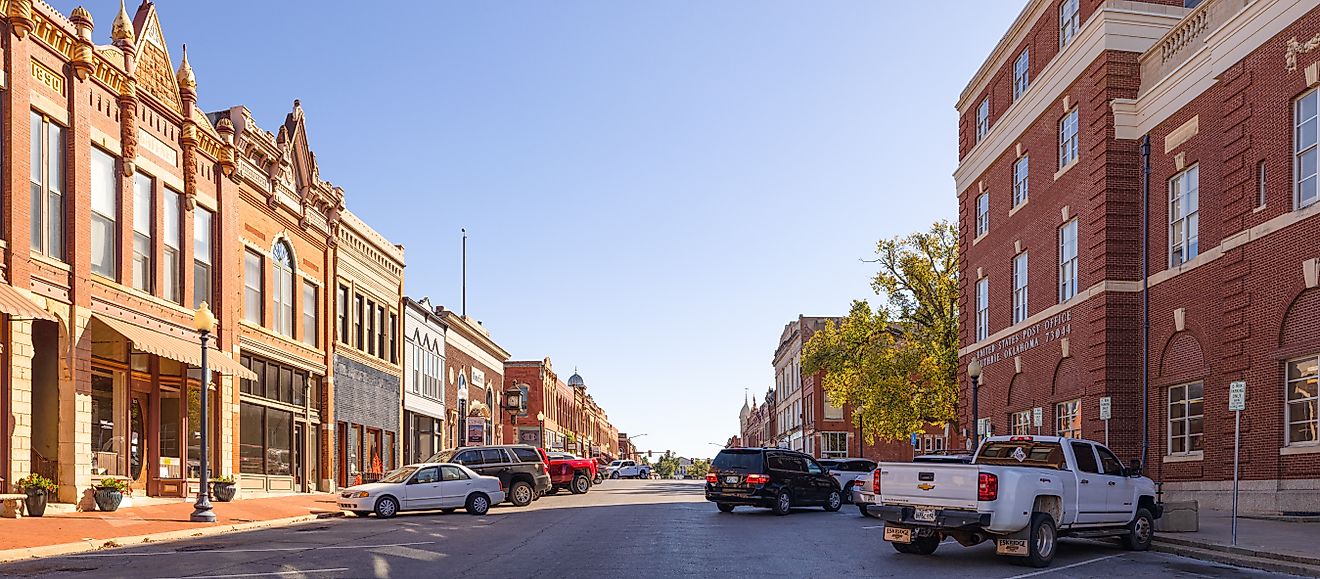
425 486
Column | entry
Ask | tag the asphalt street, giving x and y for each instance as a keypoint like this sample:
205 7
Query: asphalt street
621 528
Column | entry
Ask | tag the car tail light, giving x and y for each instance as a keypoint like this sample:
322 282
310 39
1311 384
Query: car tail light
1021 439
875 481
987 487
757 479
712 478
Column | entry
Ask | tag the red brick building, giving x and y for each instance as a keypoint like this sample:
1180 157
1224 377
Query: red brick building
573 421
1057 270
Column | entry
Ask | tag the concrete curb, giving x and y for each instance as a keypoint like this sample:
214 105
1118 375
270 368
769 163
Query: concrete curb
1237 556
13 555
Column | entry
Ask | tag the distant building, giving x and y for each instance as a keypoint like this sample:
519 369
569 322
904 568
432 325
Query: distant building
423 381
476 373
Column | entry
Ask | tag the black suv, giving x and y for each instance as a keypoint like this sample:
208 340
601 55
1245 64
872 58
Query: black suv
522 469
771 478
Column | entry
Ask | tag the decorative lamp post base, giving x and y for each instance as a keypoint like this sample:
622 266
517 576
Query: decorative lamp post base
202 512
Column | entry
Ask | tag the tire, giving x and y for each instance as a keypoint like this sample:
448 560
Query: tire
614 474
833 501
1141 531
386 507
783 503
580 485
847 493
1043 541
725 507
862 508
477 504
521 494
919 546
597 479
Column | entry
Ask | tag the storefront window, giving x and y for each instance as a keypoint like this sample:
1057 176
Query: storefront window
252 419
107 433
195 427
170 465
354 443
279 442
389 451
374 462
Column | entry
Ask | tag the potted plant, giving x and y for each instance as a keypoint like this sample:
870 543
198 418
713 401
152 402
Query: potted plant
223 489
110 492
39 489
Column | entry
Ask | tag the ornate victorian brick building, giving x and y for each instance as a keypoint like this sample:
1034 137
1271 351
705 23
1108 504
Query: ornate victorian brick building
1088 141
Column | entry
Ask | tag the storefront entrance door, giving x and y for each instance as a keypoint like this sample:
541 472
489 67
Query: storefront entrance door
137 440
299 460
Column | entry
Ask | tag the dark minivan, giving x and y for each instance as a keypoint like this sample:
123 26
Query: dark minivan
771 478
521 469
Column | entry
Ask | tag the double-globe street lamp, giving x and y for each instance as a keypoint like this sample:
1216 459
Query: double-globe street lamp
974 372
204 323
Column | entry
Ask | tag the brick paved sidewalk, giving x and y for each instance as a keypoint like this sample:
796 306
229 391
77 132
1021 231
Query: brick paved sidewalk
94 529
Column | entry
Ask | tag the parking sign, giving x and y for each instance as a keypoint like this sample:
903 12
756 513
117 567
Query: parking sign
1237 396
1038 417
1106 408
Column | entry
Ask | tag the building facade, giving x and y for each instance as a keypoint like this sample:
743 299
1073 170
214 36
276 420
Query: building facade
368 376
285 253
423 382
476 376
1056 133
573 421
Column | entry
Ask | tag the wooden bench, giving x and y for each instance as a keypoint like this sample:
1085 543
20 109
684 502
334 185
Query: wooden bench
11 505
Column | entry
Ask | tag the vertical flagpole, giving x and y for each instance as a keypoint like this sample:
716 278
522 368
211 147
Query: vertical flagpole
464 308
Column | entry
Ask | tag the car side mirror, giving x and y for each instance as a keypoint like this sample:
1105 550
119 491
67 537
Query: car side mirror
1134 468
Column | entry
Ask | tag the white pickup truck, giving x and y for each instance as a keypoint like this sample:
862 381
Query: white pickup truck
628 469
1023 492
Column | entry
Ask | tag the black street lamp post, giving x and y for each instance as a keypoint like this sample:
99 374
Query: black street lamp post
204 322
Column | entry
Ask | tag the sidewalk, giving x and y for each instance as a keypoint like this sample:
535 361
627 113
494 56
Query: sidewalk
1273 545
63 533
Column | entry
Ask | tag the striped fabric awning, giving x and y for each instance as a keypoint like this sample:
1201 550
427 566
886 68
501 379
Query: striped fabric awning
17 305
175 348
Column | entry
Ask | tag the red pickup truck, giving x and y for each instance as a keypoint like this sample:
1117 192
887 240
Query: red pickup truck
570 472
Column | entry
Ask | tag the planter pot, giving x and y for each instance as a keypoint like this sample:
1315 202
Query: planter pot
107 499
223 492
35 503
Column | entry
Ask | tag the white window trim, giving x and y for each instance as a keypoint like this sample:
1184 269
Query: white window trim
1068 284
1058 417
1314 147
1022 419
983 119
1287 416
982 217
1181 180
1021 181
1022 73
1186 418
1069 21
1069 144
982 308
1021 283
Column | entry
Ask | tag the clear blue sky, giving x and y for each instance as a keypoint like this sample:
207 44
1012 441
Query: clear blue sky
652 190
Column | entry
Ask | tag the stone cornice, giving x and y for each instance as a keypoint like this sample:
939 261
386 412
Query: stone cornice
1025 21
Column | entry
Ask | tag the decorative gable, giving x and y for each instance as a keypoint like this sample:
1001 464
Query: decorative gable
155 69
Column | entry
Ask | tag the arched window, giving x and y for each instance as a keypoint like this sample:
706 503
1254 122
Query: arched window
281 258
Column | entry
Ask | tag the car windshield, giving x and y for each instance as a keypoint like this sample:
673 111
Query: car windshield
745 460
398 475
616 463
444 455
562 456
1039 454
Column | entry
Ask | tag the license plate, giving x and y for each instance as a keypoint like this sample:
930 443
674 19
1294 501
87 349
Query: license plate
733 480
1014 547
897 535
925 515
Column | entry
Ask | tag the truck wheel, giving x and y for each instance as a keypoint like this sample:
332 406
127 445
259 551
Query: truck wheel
580 485
862 508
614 474
1140 531
847 494
783 503
725 507
833 502
1043 540
919 546
597 480
521 494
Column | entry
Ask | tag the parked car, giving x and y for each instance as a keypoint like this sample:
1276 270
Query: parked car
771 478
425 486
849 473
570 472
602 467
628 469
1022 492
521 468
864 494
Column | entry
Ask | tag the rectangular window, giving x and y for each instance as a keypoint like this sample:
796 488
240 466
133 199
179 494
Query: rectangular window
832 412
394 331
982 308
1068 139
834 444
1305 135
380 332
1020 287
310 309
1068 260
202 256
1260 184
371 327
105 209
47 176
1068 419
983 119
1020 423
982 214
1301 392
253 287
1186 418
172 282
1069 21
1184 219
341 313
357 321
1022 74
143 192
1020 180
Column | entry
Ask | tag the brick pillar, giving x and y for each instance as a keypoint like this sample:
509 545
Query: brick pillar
75 413
20 391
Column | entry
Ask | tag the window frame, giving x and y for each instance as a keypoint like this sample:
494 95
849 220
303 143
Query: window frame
1069 22
49 191
254 291
1186 418
1068 265
982 308
1021 180
109 222
343 317
1184 189
982 119
982 213
1313 148
1022 73
1069 141
203 262
1021 283
826 440
1019 423
1288 402
283 300
1073 409
310 317
142 274
171 207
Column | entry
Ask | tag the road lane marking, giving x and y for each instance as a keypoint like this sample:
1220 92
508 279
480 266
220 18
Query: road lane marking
874 527
1044 571
270 574
266 550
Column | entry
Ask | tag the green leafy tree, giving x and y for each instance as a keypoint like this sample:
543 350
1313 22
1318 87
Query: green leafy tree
897 364
699 468
667 465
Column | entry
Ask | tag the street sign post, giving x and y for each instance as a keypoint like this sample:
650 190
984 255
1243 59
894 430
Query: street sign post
1237 402
1106 412
1038 418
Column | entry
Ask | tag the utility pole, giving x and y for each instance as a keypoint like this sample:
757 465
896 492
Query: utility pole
464 302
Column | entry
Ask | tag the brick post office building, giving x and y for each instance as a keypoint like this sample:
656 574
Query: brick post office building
1219 100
